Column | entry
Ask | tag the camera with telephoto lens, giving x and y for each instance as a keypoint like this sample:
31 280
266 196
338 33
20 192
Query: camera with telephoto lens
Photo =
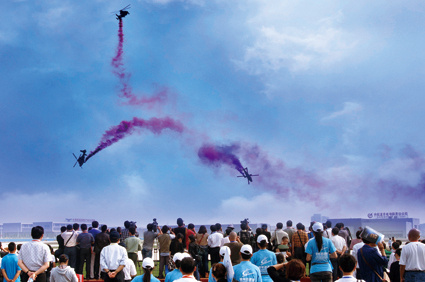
155 224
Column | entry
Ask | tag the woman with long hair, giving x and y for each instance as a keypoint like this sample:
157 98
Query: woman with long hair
263 258
319 251
201 239
148 265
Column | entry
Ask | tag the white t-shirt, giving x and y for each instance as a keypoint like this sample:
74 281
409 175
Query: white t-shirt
349 278
338 242
391 260
129 269
413 256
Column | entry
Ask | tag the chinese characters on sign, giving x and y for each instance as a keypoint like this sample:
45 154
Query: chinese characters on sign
387 215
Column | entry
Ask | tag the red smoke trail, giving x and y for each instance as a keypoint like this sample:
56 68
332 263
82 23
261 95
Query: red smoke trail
126 128
124 77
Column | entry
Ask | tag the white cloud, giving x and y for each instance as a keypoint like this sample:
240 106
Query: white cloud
281 44
349 108
135 184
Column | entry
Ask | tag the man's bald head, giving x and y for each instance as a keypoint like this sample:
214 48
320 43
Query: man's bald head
232 236
414 235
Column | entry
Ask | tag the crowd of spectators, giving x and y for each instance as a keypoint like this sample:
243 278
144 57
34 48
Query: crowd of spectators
324 252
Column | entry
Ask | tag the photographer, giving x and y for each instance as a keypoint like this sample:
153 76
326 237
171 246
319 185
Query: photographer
148 239
245 234
164 240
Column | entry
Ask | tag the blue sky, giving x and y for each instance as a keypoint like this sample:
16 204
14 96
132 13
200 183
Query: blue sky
323 99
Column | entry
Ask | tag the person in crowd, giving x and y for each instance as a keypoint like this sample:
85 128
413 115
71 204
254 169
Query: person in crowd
219 272
290 230
412 259
63 272
177 245
9 265
327 232
85 240
219 229
392 258
245 235
194 251
258 232
268 235
263 258
295 270
93 231
298 240
148 265
226 239
246 271
214 243
181 229
356 240
149 237
277 235
277 272
340 246
164 240
319 251
347 263
52 263
223 251
70 239
345 233
371 262
129 270
133 245
187 268
61 243
176 273
310 233
100 241
202 241
235 247
190 231
395 267
125 232
113 259
34 257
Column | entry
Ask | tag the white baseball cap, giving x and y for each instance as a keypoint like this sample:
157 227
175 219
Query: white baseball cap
223 251
185 255
148 262
246 250
317 227
262 237
177 256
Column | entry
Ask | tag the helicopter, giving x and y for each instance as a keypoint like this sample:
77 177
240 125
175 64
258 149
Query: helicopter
246 174
81 159
123 12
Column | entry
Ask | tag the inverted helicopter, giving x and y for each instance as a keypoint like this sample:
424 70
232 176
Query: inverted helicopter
81 159
245 174
123 12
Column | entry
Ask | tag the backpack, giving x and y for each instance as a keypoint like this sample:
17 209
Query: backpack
245 237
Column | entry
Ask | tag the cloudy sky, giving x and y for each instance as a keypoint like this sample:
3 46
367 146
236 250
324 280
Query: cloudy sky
321 99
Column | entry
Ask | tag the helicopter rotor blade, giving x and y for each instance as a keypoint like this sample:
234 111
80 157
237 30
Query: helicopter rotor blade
75 156
75 164
240 176
126 7
254 175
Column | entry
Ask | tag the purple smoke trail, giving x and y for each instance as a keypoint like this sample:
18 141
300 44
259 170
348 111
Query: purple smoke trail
119 71
126 128
217 155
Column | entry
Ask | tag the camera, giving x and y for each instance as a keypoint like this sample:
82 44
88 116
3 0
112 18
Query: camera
155 224
245 221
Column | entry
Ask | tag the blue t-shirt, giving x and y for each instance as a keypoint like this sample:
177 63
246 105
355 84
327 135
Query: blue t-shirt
140 278
173 275
263 259
320 260
247 272
10 264
212 279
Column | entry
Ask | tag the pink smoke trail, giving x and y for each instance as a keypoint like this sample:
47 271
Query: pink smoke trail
218 155
126 128
124 77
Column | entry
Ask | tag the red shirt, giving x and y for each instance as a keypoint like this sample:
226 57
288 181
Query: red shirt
188 233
